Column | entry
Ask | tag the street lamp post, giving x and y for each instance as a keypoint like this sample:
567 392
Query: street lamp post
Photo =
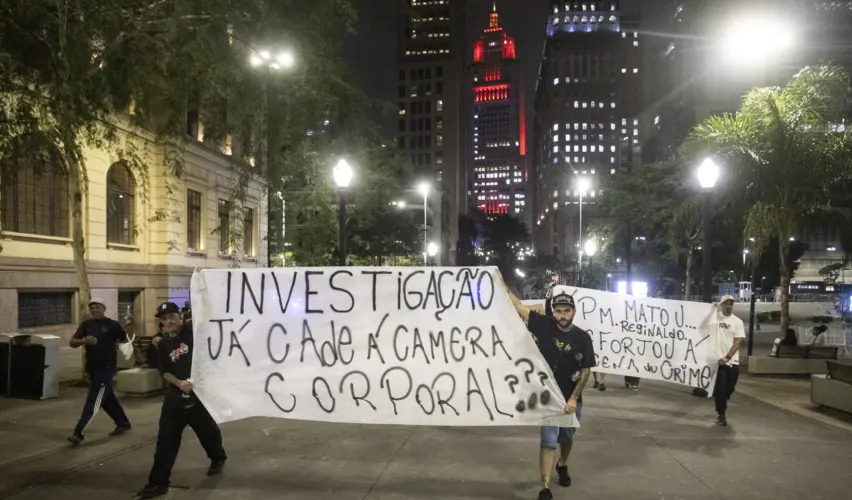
583 185
708 174
423 188
590 248
342 177
272 64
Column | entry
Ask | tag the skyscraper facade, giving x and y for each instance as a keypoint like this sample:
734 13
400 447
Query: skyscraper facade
498 142
589 123
431 123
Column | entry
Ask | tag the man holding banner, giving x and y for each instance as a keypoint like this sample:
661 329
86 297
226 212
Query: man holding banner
181 406
570 353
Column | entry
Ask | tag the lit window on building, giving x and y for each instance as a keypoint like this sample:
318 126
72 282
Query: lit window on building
612 105
612 170
439 105
555 127
635 70
555 149
556 81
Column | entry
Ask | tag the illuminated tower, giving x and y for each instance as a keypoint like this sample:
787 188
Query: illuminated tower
498 173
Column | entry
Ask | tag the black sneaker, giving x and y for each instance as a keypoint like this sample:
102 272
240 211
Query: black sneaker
602 387
564 477
595 385
545 494
216 467
75 440
121 429
153 491
721 420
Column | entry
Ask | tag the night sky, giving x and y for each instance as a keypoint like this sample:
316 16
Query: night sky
372 52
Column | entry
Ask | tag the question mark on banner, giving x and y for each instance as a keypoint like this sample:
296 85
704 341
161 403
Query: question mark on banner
528 372
545 396
513 381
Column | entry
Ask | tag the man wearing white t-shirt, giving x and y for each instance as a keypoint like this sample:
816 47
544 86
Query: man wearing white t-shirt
731 333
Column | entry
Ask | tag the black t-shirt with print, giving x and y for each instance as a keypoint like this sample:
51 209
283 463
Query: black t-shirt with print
567 353
174 355
108 332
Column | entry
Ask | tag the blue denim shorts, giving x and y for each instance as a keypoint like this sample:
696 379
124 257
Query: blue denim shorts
552 436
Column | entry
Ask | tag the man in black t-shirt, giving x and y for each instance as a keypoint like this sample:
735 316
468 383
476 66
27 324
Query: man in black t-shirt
570 353
181 406
99 335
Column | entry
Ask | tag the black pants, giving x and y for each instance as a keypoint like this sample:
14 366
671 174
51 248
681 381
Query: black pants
726 381
100 396
172 423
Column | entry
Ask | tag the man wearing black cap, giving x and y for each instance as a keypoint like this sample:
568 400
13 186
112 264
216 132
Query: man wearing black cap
100 335
570 353
181 407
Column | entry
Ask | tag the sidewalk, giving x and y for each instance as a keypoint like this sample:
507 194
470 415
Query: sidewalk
654 444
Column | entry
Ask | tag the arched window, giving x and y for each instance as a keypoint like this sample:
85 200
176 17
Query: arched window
121 204
35 195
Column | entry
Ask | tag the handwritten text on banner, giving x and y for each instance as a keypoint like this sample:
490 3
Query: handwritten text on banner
647 338
430 346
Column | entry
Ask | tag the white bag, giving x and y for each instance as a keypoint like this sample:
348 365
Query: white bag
126 354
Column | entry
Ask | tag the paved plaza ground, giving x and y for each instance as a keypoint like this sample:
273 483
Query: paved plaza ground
659 443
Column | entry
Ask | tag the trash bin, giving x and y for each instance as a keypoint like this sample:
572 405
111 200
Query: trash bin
29 365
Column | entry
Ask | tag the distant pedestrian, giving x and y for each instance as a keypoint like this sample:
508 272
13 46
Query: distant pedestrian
181 406
817 338
729 336
100 335
186 312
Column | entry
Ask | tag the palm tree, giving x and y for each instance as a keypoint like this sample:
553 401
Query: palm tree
784 153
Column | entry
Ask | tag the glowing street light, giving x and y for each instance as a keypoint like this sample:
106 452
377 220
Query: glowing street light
281 60
708 174
343 174
432 249
520 273
590 248
753 40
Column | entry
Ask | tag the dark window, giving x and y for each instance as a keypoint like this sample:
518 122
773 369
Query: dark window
428 106
428 73
402 125
44 309
401 142
439 123
125 304
35 197
192 124
412 75
224 226
428 125
439 88
402 75
193 220
248 233
439 71
402 91
121 204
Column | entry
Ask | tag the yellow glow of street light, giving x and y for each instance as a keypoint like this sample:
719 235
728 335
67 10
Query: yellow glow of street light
255 60
265 55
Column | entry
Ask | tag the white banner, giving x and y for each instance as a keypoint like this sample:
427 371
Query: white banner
429 346
648 338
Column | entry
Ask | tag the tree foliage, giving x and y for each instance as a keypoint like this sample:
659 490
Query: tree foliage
784 159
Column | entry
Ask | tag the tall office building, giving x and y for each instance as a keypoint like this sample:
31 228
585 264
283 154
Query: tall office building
498 125
589 118
431 128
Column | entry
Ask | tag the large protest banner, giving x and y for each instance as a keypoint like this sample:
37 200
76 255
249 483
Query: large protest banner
657 339
429 346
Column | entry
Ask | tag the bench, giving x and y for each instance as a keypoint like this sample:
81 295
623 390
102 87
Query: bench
142 381
793 360
805 352
835 389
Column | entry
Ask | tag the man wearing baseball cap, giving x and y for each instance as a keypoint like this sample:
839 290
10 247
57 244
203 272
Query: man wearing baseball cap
99 335
181 406
571 355
730 334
